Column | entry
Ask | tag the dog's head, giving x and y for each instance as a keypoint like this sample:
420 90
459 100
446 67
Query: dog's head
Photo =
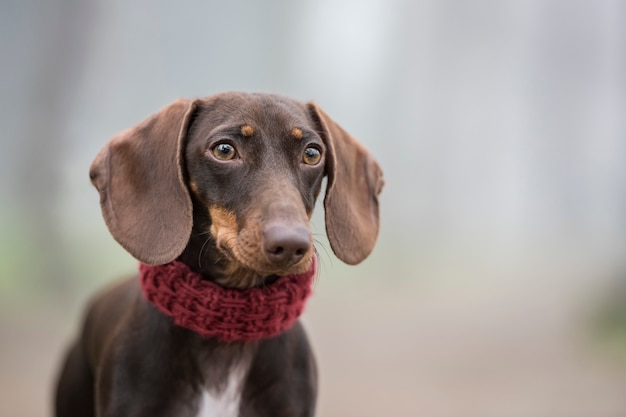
228 185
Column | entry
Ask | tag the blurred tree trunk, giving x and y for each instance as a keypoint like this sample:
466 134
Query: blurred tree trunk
63 28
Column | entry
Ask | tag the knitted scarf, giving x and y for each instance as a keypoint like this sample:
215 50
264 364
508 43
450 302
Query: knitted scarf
227 314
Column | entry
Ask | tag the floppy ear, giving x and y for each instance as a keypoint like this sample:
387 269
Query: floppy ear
354 182
139 175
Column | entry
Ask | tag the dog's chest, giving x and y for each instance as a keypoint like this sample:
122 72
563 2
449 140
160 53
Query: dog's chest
224 400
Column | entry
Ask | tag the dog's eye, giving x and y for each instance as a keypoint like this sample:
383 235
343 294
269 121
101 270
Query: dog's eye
224 151
311 156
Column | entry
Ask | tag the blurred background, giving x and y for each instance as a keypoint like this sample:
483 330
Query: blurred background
498 285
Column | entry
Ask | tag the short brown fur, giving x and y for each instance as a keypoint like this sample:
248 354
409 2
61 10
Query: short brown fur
240 223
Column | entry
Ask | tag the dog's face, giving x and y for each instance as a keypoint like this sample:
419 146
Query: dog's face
229 183
255 164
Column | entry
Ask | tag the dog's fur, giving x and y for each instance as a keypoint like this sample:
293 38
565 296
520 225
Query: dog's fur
169 191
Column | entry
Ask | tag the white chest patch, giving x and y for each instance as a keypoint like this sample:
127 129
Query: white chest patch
223 402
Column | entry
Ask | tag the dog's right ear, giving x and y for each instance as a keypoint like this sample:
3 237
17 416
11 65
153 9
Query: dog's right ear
139 175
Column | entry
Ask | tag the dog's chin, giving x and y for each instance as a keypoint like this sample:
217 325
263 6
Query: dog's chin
241 275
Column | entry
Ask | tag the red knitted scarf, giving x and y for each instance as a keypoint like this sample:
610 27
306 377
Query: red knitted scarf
227 314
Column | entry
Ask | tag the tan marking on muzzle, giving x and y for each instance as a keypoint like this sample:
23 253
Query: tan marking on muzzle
224 229
223 222
247 263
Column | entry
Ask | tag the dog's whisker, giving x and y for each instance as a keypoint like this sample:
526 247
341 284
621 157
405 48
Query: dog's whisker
323 246
207 232
200 253
317 273
322 260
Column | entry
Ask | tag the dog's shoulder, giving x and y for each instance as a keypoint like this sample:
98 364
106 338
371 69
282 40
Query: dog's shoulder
106 312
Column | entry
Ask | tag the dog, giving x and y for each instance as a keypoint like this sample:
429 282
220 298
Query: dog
217 194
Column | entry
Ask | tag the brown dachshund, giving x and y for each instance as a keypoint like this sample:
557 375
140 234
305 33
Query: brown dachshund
219 191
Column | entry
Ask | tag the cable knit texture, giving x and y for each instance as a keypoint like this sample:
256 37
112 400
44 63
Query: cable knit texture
227 314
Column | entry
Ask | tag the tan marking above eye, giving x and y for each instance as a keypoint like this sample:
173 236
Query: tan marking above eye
247 130
296 132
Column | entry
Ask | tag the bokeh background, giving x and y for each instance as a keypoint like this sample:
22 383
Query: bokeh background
498 286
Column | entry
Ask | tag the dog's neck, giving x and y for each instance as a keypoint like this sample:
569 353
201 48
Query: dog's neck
227 314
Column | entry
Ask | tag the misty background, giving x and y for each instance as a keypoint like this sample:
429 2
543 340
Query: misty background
498 284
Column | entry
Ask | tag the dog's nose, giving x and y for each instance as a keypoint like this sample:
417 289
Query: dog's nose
285 245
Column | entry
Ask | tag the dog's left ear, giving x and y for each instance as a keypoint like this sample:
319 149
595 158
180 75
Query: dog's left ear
354 182
143 196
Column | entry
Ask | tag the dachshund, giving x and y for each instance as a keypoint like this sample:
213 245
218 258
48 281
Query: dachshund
214 197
